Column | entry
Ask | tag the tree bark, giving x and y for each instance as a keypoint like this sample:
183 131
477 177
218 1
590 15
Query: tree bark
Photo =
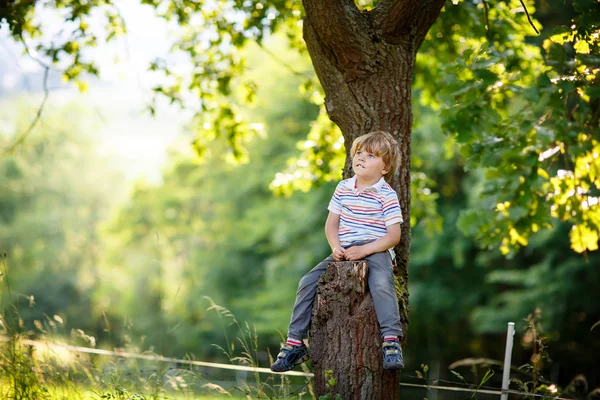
345 337
365 61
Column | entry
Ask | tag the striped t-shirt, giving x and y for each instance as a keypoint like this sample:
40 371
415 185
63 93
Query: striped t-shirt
365 215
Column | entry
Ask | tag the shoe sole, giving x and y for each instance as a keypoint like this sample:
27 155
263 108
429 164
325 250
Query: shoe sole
390 367
302 359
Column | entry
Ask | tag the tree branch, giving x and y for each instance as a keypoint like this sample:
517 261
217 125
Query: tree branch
282 62
529 17
402 19
38 115
342 31
488 27
393 16
425 16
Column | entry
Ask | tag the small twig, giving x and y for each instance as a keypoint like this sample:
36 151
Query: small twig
17 64
529 17
36 59
24 136
279 60
38 115
488 28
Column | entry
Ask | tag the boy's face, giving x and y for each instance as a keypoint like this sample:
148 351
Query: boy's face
368 166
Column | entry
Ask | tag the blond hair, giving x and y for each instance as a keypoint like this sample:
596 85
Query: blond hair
383 145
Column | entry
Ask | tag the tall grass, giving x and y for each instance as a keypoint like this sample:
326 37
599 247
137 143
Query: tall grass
50 372
247 339
17 368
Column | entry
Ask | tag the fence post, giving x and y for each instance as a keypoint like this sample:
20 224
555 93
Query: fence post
507 360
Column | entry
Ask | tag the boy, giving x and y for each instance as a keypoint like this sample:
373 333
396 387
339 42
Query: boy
363 223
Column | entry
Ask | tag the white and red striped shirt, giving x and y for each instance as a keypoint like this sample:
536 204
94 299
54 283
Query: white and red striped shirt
364 215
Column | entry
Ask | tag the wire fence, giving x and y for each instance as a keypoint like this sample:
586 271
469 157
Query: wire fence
451 385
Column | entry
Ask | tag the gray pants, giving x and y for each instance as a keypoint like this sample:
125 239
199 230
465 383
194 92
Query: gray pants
381 286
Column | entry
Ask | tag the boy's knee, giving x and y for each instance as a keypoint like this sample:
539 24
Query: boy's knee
302 285
306 283
382 282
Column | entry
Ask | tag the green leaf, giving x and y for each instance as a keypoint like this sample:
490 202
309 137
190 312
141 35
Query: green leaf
487 76
543 173
582 47
517 212
82 86
583 238
469 222
593 92
561 38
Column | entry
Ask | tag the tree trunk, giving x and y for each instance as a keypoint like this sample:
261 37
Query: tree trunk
380 100
345 337
364 61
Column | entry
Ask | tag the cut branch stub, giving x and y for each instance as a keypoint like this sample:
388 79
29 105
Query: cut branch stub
345 336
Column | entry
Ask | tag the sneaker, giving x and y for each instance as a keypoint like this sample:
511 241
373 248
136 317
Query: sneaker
392 355
289 357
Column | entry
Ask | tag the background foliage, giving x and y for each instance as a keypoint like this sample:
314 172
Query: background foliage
505 184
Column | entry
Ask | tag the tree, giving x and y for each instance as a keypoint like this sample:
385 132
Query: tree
364 61
526 116
479 68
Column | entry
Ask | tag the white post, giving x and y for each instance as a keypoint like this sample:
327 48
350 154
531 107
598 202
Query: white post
507 359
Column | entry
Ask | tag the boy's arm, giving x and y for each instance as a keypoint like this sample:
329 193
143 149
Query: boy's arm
391 238
332 227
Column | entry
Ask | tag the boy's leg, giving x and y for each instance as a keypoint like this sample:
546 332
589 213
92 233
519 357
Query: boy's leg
294 352
383 291
381 286
307 289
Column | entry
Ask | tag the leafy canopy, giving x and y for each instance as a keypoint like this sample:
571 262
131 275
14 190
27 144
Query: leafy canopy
528 116
525 114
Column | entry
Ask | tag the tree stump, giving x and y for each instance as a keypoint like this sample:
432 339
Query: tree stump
345 337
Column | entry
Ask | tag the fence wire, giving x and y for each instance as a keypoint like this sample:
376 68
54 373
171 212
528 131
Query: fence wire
465 387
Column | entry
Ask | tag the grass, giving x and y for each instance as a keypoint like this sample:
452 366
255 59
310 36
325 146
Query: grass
52 373
42 372
47 373
85 393
27 372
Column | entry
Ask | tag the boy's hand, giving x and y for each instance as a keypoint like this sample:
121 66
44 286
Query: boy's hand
339 254
355 253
